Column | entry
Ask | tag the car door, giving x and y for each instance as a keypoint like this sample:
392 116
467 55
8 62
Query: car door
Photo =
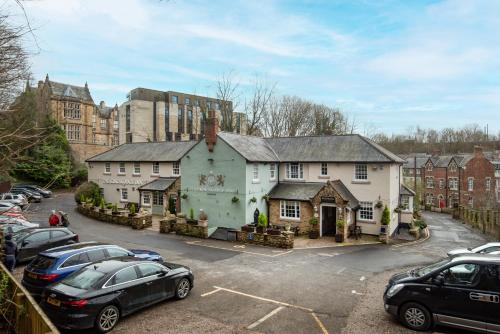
155 278
58 238
491 298
131 289
456 298
32 244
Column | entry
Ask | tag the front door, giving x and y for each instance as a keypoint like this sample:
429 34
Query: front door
328 219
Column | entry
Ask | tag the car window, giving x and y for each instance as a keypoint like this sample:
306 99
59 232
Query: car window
96 255
38 237
493 277
59 234
124 275
462 274
116 252
490 249
83 279
148 269
75 260
42 262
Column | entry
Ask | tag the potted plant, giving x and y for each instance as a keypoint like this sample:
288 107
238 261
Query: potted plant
313 232
339 235
253 200
266 198
114 210
385 220
235 199
379 205
132 210
261 223
202 218
184 196
102 206
191 219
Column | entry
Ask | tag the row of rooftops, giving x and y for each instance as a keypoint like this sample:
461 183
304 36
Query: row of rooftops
461 159
343 148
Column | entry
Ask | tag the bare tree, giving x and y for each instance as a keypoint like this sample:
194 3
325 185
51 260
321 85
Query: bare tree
257 106
228 94
274 119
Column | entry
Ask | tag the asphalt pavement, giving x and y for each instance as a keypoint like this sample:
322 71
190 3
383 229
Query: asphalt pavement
242 288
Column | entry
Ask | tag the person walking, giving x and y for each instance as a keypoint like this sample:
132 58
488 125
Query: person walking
53 219
10 252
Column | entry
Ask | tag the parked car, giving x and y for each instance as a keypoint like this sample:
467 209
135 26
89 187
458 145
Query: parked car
54 264
44 192
6 206
17 199
461 292
98 295
31 195
12 228
33 241
483 249
17 221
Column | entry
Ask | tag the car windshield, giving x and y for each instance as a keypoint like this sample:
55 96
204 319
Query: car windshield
83 279
19 235
12 228
42 262
428 269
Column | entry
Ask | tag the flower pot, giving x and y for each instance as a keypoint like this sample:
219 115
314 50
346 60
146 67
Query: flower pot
115 213
203 223
273 231
260 229
383 229
313 234
132 214
339 237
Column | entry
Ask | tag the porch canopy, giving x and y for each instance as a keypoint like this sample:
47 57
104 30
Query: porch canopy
160 184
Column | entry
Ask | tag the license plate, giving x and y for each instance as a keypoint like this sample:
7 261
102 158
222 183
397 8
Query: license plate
32 275
53 301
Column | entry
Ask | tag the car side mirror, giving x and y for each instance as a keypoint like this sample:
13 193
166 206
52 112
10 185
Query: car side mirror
163 272
469 248
438 280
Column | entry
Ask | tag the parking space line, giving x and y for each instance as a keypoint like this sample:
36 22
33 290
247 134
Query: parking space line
197 243
267 316
320 324
210 292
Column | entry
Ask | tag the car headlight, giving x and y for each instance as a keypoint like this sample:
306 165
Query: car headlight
394 290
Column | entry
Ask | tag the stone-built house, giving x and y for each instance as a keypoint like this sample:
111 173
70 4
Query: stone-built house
90 128
232 176
147 174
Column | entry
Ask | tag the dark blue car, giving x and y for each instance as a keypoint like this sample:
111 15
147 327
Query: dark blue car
54 264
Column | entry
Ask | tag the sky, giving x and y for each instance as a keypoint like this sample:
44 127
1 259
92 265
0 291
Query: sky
389 65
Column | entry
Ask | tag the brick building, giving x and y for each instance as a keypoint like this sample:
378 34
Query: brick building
91 129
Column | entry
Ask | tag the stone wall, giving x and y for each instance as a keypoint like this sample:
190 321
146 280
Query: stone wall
487 221
285 240
80 151
137 222
171 225
306 212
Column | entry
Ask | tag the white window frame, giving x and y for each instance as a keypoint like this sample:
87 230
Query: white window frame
453 167
176 168
299 172
272 172
323 169
123 191
137 168
429 182
453 183
104 123
365 211
121 168
146 198
429 167
115 124
488 184
441 183
470 184
107 168
405 202
154 166
360 172
429 199
290 210
255 173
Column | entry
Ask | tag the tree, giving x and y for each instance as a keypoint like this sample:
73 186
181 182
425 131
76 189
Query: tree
386 216
257 106
227 92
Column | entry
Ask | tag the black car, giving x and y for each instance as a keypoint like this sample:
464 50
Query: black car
461 292
44 192
34 240
31 195
99 294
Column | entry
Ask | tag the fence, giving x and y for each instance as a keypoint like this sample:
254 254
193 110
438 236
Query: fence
18 309
488 221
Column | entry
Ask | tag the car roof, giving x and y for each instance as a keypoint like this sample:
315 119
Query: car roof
74 248
112 265
476 258
38 229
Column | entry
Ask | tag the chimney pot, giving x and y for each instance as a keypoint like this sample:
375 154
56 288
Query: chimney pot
211 126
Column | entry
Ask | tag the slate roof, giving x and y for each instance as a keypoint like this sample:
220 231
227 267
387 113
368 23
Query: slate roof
305 191
148 152
406 191
160 184
66 90
410 162
444 160
346 148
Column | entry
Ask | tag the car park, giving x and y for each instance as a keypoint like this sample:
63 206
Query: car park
54 264
6 206
31 195
461 292
12 228
98 295
16 199
44 192
483 249
30 242
17 221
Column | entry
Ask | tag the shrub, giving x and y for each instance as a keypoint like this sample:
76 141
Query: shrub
114 208
89 190
132 209
102 203
420 223
191 213
262 220
386 216
340 224
79 174
313 221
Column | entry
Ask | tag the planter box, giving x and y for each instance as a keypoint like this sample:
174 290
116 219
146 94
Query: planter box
136 222
284 240
192 221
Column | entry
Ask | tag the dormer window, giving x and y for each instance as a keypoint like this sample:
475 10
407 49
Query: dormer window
429 167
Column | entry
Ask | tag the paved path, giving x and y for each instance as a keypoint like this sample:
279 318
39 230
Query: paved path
265 289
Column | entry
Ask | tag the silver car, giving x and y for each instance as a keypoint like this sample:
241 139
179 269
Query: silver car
17 199
18 221
8 206
483 249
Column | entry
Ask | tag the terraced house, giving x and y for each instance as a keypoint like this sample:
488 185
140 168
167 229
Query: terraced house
232 177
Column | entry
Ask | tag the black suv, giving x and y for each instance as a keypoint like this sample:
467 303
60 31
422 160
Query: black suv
462 292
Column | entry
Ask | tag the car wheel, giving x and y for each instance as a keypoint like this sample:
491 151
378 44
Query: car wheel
415 316
183 288
107 319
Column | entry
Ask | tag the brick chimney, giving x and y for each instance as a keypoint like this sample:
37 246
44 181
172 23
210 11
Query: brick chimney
478 152
435 153
211 126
